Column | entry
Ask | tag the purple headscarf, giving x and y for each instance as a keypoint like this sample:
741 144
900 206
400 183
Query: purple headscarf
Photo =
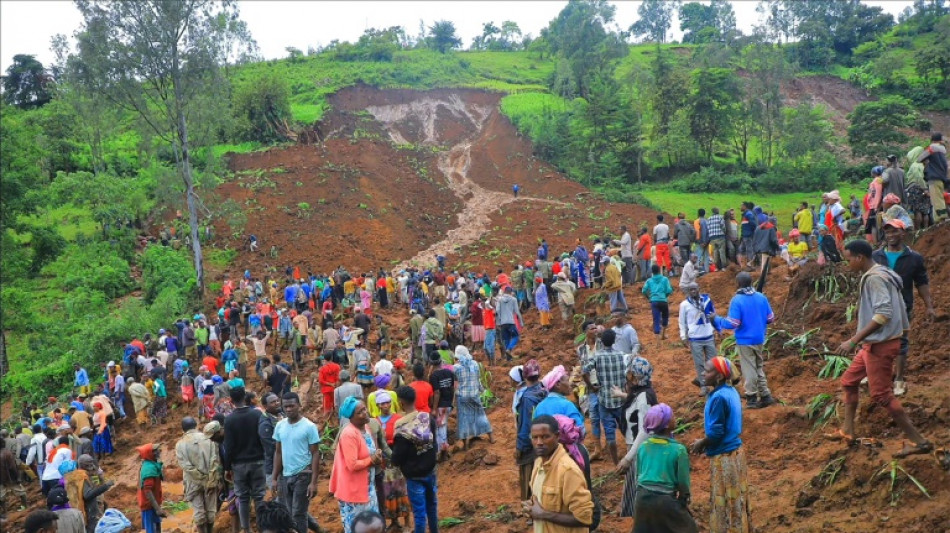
382 380
569 436
658 418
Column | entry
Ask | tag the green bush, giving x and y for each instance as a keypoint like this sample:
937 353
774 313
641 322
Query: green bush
165 268
95 267
261 107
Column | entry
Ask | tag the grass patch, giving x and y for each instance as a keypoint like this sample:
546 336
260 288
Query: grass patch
308 113
783 204
69 221
219 150
220 257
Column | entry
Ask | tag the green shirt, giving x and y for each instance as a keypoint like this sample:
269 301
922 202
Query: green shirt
201 336
658 288
662 463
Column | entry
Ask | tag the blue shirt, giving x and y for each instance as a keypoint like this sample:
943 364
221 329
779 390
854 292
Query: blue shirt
723 421
557 404
749 227
892 258
295 441
749 315
290 294
530 398
82 378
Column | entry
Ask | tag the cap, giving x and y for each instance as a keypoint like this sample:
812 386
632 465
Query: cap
896 223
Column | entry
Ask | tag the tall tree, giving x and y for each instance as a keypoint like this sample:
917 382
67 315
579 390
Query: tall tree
698 23
442 36
656 17
583 41
768 70
668 96
877 127
713 94
26 82
161 58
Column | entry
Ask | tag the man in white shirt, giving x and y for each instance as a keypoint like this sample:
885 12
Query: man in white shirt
383 366
689 274
51 475
626 254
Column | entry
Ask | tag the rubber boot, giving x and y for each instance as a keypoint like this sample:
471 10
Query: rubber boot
595 455
612 447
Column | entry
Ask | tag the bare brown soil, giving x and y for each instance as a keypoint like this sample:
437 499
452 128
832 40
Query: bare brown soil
471 156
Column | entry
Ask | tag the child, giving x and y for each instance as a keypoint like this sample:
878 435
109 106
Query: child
150 488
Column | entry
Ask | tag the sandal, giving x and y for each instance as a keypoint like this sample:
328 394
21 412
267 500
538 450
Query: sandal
840 435
868 441
923 447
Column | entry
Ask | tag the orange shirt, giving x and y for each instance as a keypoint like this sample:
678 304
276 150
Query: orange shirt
329 375
423 393
644 244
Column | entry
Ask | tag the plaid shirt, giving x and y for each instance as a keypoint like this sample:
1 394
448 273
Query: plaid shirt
469 385
611 372
717 227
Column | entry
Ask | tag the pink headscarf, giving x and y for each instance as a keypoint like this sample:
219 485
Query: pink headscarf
569 436
551 378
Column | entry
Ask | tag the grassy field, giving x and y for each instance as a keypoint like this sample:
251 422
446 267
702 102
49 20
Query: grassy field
783 205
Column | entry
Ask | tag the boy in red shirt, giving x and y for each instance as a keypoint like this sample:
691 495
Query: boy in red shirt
488 319
150 488
329 376
423 389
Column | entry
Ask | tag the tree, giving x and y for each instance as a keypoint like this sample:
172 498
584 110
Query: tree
768 70
162 60
26 83
442 36
668 96
21 164
656 17
510 36
876 126
933 62
698 23
806 131
581 40
713 96
262 108
487 38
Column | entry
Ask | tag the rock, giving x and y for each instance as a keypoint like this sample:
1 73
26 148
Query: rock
490 459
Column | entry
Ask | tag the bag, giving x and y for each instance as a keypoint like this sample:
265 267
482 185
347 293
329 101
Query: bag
301 296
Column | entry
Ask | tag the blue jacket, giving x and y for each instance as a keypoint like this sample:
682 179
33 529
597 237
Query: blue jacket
723 421
557 404
290 294
749 315
530 399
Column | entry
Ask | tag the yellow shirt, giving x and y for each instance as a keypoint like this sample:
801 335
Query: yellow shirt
373 407
563 489
797 250
804 221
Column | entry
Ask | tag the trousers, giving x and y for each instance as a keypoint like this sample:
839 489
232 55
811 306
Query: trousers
293 494
423 496
753 370
248 483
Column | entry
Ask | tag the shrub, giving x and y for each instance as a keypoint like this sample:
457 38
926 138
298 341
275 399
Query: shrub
165 268
261 108
94 267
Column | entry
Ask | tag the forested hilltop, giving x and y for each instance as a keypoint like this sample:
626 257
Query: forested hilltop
118 137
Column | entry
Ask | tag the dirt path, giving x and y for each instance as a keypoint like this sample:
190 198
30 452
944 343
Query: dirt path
474 219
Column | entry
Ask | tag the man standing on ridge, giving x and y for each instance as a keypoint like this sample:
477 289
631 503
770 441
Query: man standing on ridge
749 315
881 323
626 254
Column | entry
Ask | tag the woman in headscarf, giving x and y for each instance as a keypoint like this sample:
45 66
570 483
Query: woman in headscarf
84 490
140 400
207 397
542 302
518 380
834 218
102 442
222 396
160 401
892 210
662 504
729 487
354 465
917 193
395 495
381 382
638 398
472 421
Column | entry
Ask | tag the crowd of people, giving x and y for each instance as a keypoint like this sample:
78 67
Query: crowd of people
385 406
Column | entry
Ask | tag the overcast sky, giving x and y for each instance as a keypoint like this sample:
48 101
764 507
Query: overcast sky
27 26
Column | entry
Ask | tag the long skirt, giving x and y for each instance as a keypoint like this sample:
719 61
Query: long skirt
478 333
729 493
348 511
472 420
396 495
661 513
102 442
208 402
160 407
628 502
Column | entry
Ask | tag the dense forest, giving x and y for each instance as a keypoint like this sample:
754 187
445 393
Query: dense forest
131 122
